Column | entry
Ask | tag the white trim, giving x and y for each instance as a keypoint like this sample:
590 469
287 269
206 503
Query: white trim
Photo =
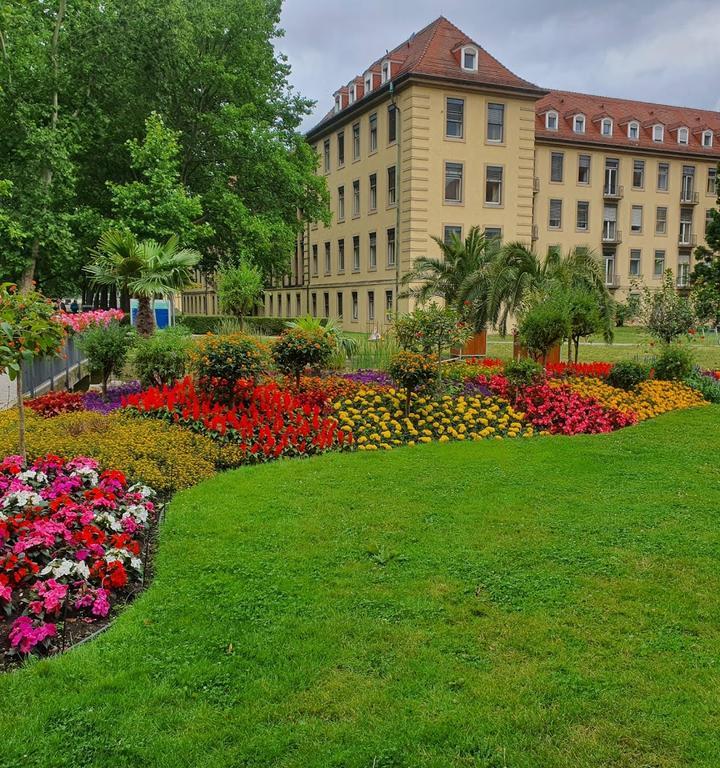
685 133
658 132
634 125
554 114
368 82
606 121
707 135
386 71
579 119
469 49
352 93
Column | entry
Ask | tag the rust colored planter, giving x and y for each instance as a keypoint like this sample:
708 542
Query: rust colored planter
520 353
476 345
553 356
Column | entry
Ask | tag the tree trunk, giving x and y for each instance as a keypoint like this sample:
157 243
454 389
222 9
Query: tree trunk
21 415
577 349
145 323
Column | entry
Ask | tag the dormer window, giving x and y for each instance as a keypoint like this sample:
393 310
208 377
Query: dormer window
658 132
551 120
385 71
634 131
338 102
606 126
368 82
707 138
469 58
579 123
352 91
683 136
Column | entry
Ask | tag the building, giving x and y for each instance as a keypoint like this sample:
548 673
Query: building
438 136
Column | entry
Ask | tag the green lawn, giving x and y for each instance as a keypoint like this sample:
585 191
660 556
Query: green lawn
549 602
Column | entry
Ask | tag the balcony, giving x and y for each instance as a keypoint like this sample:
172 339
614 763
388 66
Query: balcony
611 236
616 192
687 239
688 197
682 282
612 282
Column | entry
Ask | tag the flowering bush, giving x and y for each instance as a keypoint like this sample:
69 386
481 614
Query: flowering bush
598 370
273 423
228 366
71 537
412 370
320 391
94 401
55 403
297 348
379 422
83 320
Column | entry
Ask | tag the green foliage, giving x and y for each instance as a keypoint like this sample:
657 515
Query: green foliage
674 363
106 349
585 317
298 348
629 310
544 326
667 314
627 374
431 329
412 370
523 373
343 344
240 288
162 358
708 386
202 324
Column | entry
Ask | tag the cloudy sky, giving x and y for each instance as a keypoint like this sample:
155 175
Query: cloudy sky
653 50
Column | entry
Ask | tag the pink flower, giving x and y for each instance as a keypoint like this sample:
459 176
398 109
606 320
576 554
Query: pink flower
24 635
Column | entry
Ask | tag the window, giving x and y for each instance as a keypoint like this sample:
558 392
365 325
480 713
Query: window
298 305
352 92
707 138
556 166
469 59
612 172
712 188
494 185
583 169
372 259
356 141
687 192
579 124
315 260
709 218
634 130
493 233
339 298
371 305
341 203
453 182
551 120
683 275
555 218
272 309
373 191
328 260
496 123
663 177
683 136
609 233
389 302
686 216
326 155
635 258
368 82
287 304
326 305
356 198
341 255
373 132
606 126
385 72
454 116
661 220
391 196
658 132
338 102
636 219
392 124
659 264
313 298
279 304
341 148
583 217
638 179
391 247
452 231
609 267
354 305
356 254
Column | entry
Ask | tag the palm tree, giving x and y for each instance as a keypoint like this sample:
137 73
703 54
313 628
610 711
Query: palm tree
145 269
348 345
459 276
520 275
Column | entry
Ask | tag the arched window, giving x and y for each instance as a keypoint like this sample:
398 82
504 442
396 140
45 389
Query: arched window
658 132
469 58
606 126
368 82
634 130
707 139
385 71
683 136
551 120
579 124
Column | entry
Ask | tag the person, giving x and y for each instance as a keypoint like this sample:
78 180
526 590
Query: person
74 308
63 306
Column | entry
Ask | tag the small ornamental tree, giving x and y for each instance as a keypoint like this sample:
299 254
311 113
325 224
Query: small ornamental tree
667 314
240 288
106 348
28 329
299 348
412 370
544 326
585 320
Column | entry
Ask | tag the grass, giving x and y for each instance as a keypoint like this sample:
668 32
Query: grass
549 603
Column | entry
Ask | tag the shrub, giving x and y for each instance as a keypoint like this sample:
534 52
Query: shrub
55 403
226 366
166 457
431 329
707 385
203 324
523 373
544 326
412 370
667 314
239 288
162 358
299 348
675 363
107 348
627 375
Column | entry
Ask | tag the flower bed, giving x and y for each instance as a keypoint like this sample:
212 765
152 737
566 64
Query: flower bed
94 401
55 403
81 321
71 540
378 422
596 370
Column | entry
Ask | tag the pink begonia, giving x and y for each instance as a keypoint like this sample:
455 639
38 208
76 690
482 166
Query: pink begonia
25 636
5 593
52 594
101 606
83 320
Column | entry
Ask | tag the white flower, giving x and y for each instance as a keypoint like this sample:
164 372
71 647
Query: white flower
136 563
143 490
82 570
137 511
23 498
59 568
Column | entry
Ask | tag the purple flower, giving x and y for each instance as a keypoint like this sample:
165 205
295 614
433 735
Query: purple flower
379 378
93 401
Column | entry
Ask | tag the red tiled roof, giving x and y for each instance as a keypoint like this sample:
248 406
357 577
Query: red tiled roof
568 104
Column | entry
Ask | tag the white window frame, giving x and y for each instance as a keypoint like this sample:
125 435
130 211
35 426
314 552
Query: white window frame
658 132
579 120
467 49
606 121
386 71
548 115
683 136
368 82
707 138
338 102
633 125
352 93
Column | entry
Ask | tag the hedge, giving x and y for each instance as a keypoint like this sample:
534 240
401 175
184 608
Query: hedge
202 324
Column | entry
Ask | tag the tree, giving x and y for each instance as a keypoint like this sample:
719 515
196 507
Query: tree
240 288
145 269
585 319
298 348
544 325
106 347
28 329
666 313
705 278
459 277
